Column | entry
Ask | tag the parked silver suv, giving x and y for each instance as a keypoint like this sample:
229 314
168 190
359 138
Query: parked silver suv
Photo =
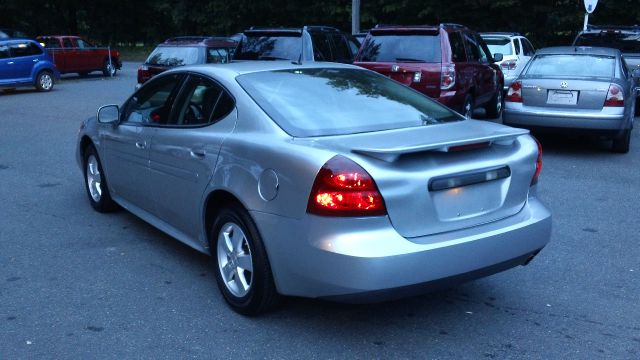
516 52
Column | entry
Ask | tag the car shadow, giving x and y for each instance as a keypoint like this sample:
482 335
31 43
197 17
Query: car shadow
91 76
19 91
572 144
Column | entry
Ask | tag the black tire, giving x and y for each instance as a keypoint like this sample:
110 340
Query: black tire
621 143
109 69
83 74
103 202
468 107
261 295
44 81
495 106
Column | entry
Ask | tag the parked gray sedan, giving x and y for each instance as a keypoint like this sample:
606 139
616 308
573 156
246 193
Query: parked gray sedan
571 88
317 180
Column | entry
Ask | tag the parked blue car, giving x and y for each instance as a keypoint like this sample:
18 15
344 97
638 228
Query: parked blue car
24 62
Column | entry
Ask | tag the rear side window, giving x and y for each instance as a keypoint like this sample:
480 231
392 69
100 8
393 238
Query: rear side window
629 42
457 48
218 55
66 42
51 43
270 47
516 43
202 102
22 49
4 51
473 49
174 56
401 48
572 66
499 45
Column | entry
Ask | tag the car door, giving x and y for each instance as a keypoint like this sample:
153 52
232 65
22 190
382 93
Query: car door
527 51
71 58
86 55
24 55
184 152
126 147
482 73
5 59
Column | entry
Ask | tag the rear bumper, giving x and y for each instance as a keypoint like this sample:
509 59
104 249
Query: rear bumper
608 119
332 258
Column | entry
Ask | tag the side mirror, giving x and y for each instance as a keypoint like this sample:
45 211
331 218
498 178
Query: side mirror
635 73
109 114
497 57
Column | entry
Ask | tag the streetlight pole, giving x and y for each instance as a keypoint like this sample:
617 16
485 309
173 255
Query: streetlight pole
355 16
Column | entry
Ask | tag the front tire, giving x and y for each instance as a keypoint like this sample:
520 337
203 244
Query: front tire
242 269
96 182
44 81
494 107
109 69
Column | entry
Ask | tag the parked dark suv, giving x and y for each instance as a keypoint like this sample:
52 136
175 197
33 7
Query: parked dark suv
186 50
624 38
448 62
310 43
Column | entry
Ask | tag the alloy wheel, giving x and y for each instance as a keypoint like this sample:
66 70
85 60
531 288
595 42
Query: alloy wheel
234 259
94 178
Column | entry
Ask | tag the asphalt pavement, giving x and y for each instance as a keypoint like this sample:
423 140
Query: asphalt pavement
76 284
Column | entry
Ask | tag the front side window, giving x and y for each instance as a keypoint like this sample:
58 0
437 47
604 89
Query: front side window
320 102
66 42
527 48
202 102
572 66
152 103
83 44
4 51
473 50
218 55
174 56
321 47
341 51
457 48
393 47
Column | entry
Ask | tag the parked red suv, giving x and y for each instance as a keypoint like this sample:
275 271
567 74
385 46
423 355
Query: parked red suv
448 62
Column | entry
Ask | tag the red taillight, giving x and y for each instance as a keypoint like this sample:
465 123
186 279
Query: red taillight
509 65
143 74
615 96
447 76
343 188
538 164
515 93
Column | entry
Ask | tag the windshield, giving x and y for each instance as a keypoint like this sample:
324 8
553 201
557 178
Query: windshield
270 47
572 66
319 102
626 43
401 48
174 56
499 45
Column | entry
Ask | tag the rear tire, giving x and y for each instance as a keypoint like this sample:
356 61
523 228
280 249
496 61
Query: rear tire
621 144
240 262
96 183
44 81
494 107
109 69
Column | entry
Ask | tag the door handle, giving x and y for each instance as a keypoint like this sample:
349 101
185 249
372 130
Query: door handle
36 60
141 145
198 154
10 63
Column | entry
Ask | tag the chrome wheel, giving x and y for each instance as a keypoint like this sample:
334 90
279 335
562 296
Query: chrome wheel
46 82
109 69
234 259
468 109
499 101
94 178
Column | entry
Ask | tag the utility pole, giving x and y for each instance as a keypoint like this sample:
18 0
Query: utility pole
355 16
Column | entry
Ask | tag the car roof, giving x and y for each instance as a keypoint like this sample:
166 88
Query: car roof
582 50
236 68
255 29
500 34
598 29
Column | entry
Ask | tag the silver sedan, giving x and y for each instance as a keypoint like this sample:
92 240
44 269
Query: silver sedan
325 181
575 88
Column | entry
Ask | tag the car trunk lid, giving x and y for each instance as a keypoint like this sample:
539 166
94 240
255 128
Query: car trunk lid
570 93
444 177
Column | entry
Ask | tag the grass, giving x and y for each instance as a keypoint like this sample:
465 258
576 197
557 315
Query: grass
134 53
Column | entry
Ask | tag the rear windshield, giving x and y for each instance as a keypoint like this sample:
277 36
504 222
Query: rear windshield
288 47
319 102
401 48
174 56
572 65
626 43
499 45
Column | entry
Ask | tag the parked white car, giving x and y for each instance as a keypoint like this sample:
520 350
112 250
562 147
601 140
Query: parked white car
516 52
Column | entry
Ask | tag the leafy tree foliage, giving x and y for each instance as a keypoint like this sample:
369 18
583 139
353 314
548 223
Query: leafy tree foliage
546 22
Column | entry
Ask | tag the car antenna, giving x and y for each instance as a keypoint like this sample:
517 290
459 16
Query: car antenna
299 62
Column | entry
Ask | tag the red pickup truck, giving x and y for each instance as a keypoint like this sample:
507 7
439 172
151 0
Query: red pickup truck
72 54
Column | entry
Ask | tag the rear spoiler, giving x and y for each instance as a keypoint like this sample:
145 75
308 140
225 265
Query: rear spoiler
391 154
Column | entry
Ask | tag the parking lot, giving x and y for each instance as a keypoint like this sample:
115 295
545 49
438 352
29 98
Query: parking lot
78 284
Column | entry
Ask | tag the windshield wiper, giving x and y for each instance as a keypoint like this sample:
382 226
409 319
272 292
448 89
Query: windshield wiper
409 60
